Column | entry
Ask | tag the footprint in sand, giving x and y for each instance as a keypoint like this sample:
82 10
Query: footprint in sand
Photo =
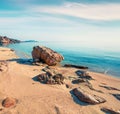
3 66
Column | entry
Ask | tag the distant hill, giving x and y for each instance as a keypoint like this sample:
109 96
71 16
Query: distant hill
5 40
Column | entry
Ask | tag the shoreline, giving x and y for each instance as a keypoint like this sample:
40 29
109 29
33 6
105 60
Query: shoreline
23 55
98 62
17 80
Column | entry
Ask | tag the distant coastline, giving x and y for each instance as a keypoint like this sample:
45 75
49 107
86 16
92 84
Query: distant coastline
4 40
30 41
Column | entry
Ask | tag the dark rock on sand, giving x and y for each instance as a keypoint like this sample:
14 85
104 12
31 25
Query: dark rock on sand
46 55
53 72
79 80
75 66
83 74
89 85
110 110
49 78
44 77
117 96
87 97
9 102
59 78
70 86
5 40
109 88
1 109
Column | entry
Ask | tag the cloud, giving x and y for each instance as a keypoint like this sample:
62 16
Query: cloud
33 20
100 12
92 12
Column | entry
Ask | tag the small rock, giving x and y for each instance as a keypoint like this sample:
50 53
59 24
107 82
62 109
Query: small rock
12 50
79 80
87 97
9 102
69 86
109 88
1 109
59 78
75 66
44 77
110 110
83 74
89 85
117 96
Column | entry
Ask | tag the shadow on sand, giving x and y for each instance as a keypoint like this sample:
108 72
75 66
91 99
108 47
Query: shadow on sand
22 61
35 78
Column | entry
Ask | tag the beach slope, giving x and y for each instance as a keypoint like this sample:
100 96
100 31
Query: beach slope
18 80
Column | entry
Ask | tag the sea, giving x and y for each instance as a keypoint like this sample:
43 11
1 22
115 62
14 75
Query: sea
98 60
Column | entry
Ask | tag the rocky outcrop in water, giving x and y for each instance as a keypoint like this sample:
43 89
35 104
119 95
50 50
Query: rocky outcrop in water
46 55
4 40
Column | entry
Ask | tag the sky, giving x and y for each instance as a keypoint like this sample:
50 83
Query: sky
87 22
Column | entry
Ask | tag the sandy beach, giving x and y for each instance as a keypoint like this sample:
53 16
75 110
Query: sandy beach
17 80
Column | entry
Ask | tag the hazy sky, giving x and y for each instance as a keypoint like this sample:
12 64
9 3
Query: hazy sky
92 22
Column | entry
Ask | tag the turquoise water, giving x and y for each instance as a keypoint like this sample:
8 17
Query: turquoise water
97 60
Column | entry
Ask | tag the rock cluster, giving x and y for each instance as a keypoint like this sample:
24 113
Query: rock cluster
49 78
46 55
